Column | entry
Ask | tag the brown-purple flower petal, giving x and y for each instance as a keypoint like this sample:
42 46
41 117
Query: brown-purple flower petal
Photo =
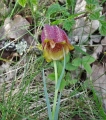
54 40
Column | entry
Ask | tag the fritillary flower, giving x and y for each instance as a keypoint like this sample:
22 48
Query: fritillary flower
54 40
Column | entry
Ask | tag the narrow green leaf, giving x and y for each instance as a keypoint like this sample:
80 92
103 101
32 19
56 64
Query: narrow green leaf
62 73
57 108
47 98
22 2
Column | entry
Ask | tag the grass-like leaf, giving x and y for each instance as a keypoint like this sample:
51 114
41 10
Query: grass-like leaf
47 98
57 108
62 74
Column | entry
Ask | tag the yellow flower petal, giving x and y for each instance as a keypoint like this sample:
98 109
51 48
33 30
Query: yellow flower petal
54 51
57 55
46 53
70 47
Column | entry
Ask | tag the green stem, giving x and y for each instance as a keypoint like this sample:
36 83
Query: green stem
56 91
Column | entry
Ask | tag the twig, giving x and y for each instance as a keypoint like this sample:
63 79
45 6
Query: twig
92 45
84 15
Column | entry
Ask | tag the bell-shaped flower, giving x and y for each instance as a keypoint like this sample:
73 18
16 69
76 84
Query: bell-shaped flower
55 43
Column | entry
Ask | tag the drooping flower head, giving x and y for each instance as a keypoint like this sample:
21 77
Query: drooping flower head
54 40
